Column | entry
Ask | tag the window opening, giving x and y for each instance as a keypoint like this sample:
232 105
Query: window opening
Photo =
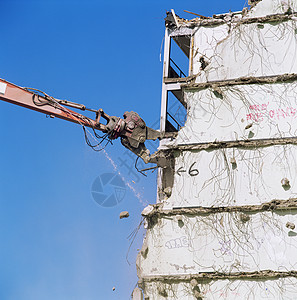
176 111
179 57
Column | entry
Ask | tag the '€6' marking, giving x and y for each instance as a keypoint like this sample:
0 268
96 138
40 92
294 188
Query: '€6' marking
191 171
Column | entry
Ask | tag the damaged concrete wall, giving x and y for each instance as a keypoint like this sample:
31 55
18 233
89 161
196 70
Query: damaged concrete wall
233 176
235 255
256 49
225 228
221 289
255 43
237 112
181 244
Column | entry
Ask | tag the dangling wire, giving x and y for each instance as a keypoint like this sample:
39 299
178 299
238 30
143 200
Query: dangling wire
49 100
94 146
140 171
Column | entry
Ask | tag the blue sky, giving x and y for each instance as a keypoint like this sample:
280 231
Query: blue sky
56 241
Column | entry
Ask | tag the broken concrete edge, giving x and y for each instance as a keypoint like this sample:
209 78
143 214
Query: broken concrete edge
149 209
220 19
243 144
253 3
274 205
163 159
188 79
263 274
207 21
242 80
137 294
269 19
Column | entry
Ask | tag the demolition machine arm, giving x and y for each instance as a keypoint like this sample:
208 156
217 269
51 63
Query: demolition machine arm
131 129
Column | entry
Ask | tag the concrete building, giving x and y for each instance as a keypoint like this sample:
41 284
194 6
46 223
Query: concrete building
224 224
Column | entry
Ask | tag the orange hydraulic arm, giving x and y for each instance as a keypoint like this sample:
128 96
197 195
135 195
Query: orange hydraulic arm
132 129
31 98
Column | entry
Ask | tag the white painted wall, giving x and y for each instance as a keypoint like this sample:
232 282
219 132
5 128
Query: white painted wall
221 242
205 43
248 50
254 179
270 108
269 7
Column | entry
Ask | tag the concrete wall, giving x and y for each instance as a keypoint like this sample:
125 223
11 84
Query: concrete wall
226 226
268 7
256 176
224 289
240 49
220 242
223 113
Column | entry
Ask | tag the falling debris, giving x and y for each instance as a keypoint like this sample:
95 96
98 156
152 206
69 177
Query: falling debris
124 214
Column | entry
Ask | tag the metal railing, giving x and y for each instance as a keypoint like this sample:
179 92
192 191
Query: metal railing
178 125
181 73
